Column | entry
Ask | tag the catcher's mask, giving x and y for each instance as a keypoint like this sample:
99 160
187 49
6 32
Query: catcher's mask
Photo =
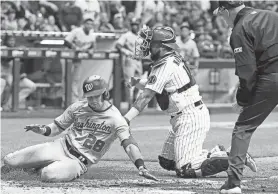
164 35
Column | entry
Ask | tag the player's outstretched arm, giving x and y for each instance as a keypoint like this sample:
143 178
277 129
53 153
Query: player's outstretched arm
141 102
131 148
137 82
46 130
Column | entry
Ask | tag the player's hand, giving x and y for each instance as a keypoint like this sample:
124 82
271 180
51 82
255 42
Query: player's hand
36 128
237 108
145 173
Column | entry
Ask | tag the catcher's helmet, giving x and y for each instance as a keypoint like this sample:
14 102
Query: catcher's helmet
227 4
95 86
164 35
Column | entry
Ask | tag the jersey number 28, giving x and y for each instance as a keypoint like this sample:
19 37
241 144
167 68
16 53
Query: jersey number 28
92 143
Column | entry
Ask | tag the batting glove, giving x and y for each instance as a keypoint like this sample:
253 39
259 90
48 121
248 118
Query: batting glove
36 128
145 173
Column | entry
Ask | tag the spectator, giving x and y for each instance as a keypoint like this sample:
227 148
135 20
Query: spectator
31 25
70 16
11 23
159 19
118 22
88 7
21 24
80 39
105 26
51 26
188 48
26 86
131 67
116 8
40 22
128 19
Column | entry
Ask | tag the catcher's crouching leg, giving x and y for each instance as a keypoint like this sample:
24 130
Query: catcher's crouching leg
166 163
210 166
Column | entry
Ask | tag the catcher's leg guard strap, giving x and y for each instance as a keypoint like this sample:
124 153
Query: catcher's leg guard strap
214 165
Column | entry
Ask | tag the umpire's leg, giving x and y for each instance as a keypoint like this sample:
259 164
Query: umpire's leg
264 101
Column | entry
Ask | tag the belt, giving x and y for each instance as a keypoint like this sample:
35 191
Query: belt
76 154
184 88
198 103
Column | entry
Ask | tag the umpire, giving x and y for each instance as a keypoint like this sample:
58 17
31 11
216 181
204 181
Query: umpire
254 40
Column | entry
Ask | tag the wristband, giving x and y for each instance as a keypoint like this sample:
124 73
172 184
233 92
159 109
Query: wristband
139 162
48 131
133 112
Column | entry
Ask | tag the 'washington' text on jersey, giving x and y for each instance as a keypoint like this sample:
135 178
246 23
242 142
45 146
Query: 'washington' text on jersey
92 125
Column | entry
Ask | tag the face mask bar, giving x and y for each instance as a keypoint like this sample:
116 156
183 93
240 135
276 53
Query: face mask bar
142 43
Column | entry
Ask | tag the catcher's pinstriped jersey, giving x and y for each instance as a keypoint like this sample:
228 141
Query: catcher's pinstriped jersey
189 127
170 74
92 132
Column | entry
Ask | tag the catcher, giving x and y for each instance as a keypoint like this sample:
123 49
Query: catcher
177 93
92 124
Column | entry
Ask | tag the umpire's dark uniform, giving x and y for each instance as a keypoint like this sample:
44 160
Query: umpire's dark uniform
254 40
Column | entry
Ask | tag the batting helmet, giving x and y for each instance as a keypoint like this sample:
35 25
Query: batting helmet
164 35
95 86
228 4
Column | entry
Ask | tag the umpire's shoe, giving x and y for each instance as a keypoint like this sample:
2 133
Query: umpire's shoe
250 162
230 188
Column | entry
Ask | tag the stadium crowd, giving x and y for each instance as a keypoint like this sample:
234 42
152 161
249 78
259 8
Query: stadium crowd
209 32
191 20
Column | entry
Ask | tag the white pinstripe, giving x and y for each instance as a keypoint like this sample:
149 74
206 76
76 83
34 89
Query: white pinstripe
184 143
190 129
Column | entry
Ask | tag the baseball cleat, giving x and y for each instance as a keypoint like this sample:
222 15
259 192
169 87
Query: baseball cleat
230 188
250 162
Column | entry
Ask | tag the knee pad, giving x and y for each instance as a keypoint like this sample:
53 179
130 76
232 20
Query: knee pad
214 165
167 164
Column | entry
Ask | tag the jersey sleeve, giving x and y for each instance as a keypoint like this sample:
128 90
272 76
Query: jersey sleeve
67 118
195 51
159 77
245 59
122 129
122 40
71 36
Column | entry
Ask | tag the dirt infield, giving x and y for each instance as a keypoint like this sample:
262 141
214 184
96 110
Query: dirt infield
116 174
121 177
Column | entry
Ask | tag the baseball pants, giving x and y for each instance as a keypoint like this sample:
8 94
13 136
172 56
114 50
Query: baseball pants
184 143
53 158
265 99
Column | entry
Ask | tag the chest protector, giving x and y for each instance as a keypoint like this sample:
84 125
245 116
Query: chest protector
163 98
